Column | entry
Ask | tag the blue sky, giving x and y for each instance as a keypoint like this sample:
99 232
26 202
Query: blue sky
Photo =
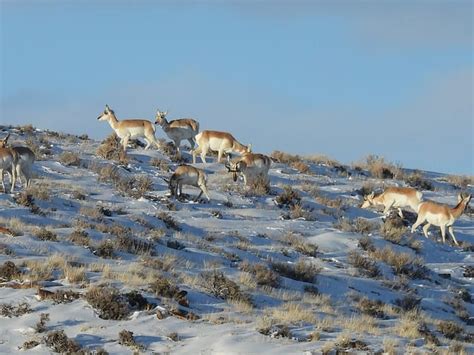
341 78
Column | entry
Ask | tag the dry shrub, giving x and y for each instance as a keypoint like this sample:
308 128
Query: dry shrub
40 149
259 186
408 303
9 271
137 301
111 149
161 164
126 338
133 245
265 325
301 270
162 287
380 169
366 243
6 250
346 342
40 327
301 166
80 237
293 313
168 220
27 200
288 197
105 249
371 307
70 159
218 285
92 212
322 159
300 244
295 161
358 225
39 192
401 263
450 330
59 342
459 308
365 265
10 311
417 181
393 230
297 211
460 181
262 274
108 302
46 235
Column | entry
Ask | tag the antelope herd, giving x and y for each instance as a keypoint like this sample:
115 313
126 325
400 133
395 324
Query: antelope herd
18 161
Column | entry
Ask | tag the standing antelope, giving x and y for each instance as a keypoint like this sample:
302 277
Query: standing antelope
178 130
8 162
250 166
396 197
127 129
26 158
440 215
188 175
222 142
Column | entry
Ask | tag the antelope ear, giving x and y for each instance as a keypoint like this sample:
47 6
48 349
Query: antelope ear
165 113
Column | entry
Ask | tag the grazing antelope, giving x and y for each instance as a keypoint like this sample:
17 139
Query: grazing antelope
440 215
8 162
221 142
178 130
250 166
127 129
26 158
188 175
396 197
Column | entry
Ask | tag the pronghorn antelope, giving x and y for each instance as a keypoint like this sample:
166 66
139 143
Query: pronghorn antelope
178 130
188 175
8 162
440 215
127 129
396 197
221 142
26 158
250 166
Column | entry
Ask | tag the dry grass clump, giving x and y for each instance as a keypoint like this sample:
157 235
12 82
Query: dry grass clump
80 237
70 159
137 301
161 164
168 220
450 330
133 245
417 181
217 284
379 168
292 313
322 159
288 197
95 213
266 325
11 311
365 265
370 307
108 302
401 263
460 181
111 149
163 287
39 191
408 325
6 250
295 161
297 211
75 274
262 275
9 271
126 338
105 249
59 342
459 308
346 343
358 225
46 235
301 270
40 327
27 200
393 230
40 149
300 244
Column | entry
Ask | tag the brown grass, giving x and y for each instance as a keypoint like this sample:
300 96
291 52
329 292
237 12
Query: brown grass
301 270
401 263
70 159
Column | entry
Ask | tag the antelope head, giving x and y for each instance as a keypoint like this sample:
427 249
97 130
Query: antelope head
3 142
108 113
234 168
368 200
160 117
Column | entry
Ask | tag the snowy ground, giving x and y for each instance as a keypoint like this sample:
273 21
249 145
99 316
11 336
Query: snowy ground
221 236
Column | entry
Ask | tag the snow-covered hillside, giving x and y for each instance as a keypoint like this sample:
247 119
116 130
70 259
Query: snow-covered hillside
99 250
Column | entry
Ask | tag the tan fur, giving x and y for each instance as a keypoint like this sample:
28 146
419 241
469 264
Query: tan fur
26 158
440 215
188 175
178 130
250 166
8 162
220 142
127 129
396 197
